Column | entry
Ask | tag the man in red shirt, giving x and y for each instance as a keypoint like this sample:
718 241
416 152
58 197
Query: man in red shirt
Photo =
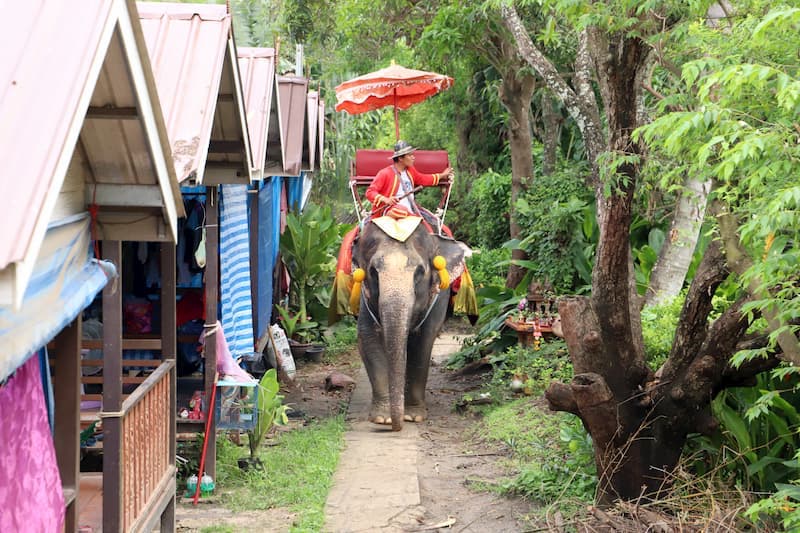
391 192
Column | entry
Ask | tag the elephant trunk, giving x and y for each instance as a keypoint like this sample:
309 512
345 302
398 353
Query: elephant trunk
395 324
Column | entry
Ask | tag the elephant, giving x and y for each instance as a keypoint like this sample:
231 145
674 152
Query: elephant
401 312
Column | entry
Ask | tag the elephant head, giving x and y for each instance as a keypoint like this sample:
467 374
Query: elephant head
403 303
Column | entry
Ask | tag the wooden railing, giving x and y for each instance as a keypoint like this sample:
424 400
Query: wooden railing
147 458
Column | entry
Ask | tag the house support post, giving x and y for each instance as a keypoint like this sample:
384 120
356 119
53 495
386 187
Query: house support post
112 393
67 416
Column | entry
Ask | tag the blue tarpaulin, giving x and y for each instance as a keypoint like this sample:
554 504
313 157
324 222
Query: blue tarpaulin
295 193
65 280
269 213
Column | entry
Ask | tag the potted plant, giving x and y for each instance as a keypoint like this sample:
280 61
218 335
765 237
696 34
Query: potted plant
270 411
299 332
307 247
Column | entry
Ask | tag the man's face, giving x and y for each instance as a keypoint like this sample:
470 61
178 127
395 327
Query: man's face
408 159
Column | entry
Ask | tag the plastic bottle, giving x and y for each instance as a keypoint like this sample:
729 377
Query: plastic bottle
191 484
206 485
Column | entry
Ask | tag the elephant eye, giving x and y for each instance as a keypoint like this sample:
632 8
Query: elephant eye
419 275
372 281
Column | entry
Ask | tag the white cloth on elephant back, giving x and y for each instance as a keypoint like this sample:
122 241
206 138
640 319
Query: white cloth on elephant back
398 229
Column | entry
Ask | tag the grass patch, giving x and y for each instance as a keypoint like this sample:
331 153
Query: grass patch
551 460
298 471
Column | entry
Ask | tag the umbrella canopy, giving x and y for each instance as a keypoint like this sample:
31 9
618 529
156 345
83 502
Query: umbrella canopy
395 86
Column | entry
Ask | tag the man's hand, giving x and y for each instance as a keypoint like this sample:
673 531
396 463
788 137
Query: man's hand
387 200
448 173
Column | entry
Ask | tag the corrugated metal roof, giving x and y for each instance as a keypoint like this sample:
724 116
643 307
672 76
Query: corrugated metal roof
292 102
257 69
77 108
45 46
193 57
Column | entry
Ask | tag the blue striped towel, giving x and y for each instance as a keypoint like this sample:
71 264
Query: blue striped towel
234 258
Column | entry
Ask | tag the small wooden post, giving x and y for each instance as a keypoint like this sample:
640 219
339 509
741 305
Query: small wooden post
169 332
67 416
212 297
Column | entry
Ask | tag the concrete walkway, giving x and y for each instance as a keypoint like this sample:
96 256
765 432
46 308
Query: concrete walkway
376 485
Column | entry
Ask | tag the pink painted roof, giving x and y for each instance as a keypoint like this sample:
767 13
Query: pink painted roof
187 45
48 53
257 69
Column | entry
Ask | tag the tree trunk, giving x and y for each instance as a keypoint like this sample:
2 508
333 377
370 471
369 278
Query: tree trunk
516 93
552 134
669 272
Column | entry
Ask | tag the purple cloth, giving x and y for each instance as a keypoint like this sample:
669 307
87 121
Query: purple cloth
31 498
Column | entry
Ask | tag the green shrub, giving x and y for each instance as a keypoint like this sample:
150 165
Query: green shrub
490 194
658 329
489 266
557 228
537 367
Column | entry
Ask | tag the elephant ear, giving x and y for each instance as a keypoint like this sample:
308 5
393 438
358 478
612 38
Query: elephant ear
454 253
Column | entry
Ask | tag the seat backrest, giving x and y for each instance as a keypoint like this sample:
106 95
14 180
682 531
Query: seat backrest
368 163
431 161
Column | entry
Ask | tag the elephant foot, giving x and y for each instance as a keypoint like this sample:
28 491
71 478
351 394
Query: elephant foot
415 413
379 414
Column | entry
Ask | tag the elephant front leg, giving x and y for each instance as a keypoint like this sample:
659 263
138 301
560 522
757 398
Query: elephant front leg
374 359
420 346
416 381
417 369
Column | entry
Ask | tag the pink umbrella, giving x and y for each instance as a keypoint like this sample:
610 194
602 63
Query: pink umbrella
394 85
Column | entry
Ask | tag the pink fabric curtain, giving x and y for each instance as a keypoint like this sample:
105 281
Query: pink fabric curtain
31 498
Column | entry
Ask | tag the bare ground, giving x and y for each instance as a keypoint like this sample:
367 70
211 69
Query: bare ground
452 464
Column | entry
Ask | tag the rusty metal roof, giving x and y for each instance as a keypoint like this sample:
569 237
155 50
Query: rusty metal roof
292 102
78 125
193 56
257 68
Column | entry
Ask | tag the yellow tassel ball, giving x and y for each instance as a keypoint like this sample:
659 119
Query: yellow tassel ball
359 275
439 264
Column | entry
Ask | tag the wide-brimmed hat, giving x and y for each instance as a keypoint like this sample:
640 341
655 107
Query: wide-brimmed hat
402 148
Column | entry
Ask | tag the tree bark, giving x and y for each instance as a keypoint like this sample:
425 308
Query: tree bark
669 272
516 93
552 134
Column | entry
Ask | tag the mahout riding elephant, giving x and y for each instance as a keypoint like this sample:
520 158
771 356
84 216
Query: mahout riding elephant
403 303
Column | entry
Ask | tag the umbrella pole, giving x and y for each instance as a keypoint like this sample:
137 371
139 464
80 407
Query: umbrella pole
396 120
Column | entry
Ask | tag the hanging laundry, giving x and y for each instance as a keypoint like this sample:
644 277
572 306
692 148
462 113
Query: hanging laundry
31 498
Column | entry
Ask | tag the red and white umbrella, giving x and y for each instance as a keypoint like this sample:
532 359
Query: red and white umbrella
395 86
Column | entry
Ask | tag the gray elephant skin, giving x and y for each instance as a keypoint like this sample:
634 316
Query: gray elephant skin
401 312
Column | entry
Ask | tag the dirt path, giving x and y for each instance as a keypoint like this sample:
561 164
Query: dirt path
420 478
449 465
414 480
